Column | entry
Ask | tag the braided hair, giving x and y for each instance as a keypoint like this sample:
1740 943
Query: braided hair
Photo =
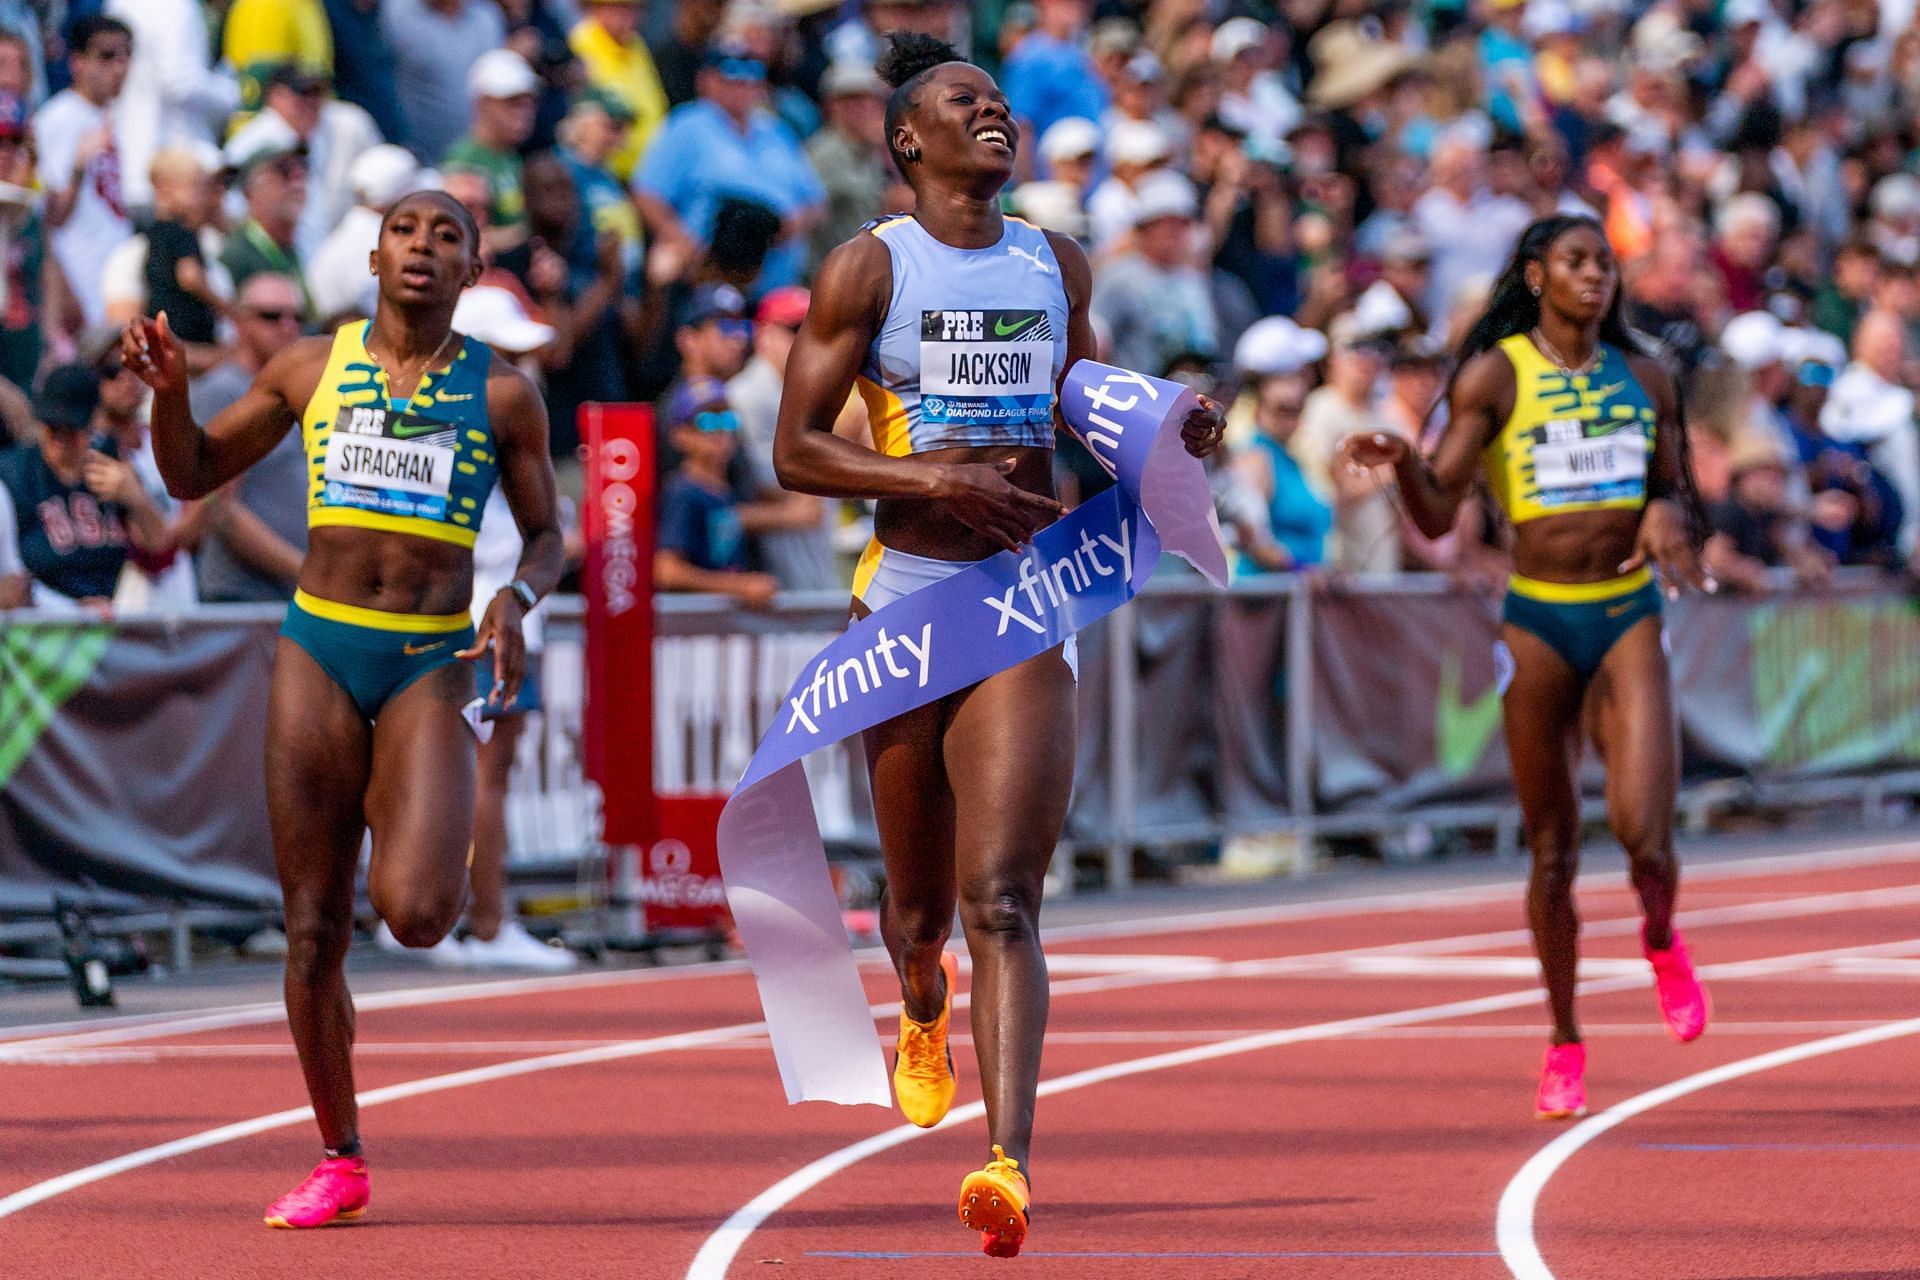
908 61
1513 308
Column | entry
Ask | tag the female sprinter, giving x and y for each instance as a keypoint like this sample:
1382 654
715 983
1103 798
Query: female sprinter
970 791
406 424
1584 446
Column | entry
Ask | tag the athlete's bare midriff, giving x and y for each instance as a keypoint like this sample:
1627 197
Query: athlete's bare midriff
922 527
1582 546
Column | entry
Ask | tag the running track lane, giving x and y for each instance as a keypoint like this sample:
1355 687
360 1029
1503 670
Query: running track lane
626 1167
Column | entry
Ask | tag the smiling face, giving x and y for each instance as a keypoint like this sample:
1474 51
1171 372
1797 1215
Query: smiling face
427 253
962 128
1577 277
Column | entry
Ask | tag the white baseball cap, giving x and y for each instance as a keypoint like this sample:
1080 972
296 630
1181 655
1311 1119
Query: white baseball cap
381 175
1277 345
1051 206
1137 142
1069 138
495 316
501 73
1164 195
1754 339
1235 36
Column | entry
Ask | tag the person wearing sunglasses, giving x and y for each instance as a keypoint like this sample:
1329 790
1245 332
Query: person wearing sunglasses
273 174
702 539
80 162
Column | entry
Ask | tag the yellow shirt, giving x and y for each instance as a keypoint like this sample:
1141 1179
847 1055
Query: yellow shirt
265 32
628 72
1574 442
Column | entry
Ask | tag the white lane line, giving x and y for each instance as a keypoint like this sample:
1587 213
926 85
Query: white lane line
1514 1223
718 1251
146 1026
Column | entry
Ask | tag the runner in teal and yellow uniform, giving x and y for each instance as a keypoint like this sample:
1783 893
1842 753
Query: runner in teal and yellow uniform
1581 437
407 425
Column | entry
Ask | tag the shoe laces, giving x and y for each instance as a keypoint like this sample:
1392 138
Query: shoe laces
1004 1164
321 1187
924 1049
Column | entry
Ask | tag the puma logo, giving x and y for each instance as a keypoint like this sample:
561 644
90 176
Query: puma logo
1030 256
413 650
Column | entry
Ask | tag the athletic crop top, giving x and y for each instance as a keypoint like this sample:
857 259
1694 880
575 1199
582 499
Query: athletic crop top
973 343
1574 442
422 466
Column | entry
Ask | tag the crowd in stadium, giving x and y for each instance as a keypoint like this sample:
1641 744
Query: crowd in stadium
1296 207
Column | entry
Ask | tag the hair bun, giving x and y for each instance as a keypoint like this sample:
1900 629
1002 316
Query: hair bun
909 53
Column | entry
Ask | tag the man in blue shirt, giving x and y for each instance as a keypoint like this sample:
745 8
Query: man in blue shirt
1050 75
726 143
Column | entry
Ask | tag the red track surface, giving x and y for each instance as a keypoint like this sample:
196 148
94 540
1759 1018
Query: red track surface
1379 1153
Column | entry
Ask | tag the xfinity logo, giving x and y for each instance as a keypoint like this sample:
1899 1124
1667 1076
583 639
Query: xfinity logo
1064 578
869 670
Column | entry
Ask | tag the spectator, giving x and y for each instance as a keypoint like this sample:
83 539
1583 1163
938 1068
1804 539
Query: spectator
1894 227
502 87
607 42
1844 294
1470 231
1253 96
1135 151
80 163
23 70
727 143
1853 511
27 274
1366 525
299 110
1050 74
1869 406
701 543
1755 528
338 280
1746 232
593 132
1758 343
850 154
186 201
1153 302
262 35
173 93
678 53
1290 531
577 278
69 511
256 532
273 177
1139 93
1662 300
365 72
434 43
1067 151
793 538
714 337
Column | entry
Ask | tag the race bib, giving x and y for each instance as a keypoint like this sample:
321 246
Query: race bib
987 367
396 464
1603 462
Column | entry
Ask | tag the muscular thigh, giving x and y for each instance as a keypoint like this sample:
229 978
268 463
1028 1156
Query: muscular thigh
1630 715
1009 752
1542 713
318 752
420 793
912 804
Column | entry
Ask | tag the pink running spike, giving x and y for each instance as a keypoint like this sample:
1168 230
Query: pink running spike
1683 1000
1563 1087
336 1189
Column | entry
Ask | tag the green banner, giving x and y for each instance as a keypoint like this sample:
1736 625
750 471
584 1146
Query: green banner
40 668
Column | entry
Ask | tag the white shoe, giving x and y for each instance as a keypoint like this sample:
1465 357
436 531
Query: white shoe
444 954
514 948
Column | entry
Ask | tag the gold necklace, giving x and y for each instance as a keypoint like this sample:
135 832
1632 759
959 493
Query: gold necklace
432 360
1553 354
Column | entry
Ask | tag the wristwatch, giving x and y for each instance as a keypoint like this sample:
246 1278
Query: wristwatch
524 594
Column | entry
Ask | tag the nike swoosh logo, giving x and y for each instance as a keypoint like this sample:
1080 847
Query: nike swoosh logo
446 399
413 650
1462 730
409 430
1000 329
1605 391
1615 610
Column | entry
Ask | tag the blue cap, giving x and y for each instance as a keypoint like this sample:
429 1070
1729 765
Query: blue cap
715 302
689 398
734 60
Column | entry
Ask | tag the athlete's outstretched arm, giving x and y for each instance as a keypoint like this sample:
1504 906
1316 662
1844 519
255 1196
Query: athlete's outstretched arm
519 418
1666 536
195 462
1433 489
850 298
